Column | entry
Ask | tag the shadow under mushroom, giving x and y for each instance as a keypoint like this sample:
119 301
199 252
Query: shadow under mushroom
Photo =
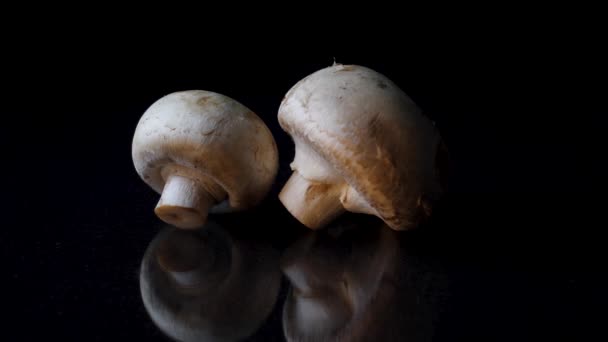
356 282
207 285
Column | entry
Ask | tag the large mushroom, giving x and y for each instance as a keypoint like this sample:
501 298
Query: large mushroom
204 152
362 145
208 285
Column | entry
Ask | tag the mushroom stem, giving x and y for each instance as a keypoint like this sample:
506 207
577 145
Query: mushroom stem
312 203
352 201
184 202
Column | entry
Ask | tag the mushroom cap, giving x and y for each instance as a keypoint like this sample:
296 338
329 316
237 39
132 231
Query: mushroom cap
209 135
371 133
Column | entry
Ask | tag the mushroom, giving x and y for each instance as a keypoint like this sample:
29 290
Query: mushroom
204 152
208 285
362 145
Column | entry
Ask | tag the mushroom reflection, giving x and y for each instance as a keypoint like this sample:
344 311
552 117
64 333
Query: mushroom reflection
354 282
207 285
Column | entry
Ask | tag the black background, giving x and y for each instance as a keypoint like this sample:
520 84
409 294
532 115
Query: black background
520 114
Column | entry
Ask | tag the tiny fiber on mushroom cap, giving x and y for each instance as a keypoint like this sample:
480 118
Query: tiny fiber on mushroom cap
204 152
362 145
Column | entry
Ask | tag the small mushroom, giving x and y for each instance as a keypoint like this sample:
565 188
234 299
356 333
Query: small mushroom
204 152
208 284
362 145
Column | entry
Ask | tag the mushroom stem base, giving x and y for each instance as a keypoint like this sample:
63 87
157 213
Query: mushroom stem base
184 203
314 204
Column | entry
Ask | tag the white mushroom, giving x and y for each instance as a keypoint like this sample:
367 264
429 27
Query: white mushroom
362 145
204 152
207 285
